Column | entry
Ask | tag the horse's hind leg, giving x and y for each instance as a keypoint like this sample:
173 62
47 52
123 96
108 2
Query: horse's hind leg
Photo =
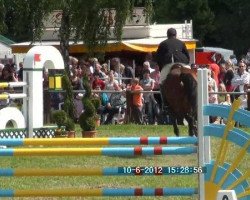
192 129
174 122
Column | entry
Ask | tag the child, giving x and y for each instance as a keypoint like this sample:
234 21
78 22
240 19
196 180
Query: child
137 99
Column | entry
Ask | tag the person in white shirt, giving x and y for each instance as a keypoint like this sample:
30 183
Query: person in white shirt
240 80
147 84
110 82
146 66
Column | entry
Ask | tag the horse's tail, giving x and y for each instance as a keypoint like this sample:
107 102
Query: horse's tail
190 87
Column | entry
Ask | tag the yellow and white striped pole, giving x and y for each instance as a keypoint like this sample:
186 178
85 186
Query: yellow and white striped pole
12 96
12 84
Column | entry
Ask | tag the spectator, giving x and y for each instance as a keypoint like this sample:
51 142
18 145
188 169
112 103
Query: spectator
91 64
223 98
240 80
76 81
127 73
219 59
20 72
147 84
212 82
1 69
110 82
78 106
146 66
73 62
105 69
116 102
233 59
215 69
97 70
104 103
97 81
212 98
136 101
8 74
222 74
248 58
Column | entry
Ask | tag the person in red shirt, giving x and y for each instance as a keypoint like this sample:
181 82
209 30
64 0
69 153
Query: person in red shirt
136 101
98 82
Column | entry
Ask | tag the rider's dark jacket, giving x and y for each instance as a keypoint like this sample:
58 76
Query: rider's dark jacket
172 50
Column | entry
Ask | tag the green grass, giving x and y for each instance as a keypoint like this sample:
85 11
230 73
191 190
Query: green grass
107 161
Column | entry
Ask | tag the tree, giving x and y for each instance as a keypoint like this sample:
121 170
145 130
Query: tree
2 16
85 20
232 25
24 19
176 11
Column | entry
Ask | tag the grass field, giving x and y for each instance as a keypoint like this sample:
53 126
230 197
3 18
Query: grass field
108 161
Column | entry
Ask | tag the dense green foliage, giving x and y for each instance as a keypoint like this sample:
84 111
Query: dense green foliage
177 11
59 117
87 119
222 23
68 105
232 25
218 23
24 19
69 125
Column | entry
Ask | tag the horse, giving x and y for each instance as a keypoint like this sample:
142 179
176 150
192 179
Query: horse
179 93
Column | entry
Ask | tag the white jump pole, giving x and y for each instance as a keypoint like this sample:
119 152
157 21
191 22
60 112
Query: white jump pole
12 84
13 96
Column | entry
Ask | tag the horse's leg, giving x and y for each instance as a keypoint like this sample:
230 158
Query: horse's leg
174 122
192 130
176 129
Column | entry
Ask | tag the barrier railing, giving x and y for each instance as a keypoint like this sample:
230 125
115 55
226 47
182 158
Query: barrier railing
27 147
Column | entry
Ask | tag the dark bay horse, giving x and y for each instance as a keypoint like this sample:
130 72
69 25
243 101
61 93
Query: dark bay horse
179 90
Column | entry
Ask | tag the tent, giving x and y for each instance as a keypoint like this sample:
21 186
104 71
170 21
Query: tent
226 53
138 45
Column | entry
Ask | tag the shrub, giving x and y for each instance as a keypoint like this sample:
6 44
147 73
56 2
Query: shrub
87 119
69 125
59 117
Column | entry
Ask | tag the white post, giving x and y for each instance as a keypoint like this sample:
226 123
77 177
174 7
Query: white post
37 58
200 120
207 149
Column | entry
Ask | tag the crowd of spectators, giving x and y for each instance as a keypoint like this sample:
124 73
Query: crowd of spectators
111 79
230 75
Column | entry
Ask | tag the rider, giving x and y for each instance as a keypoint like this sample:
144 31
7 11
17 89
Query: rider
171 51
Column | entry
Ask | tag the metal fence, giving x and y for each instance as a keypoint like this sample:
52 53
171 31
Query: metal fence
128 95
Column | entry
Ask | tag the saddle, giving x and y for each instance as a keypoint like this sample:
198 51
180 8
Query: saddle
173 68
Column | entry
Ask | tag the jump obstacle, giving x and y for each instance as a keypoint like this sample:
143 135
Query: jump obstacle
36 60
220 175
